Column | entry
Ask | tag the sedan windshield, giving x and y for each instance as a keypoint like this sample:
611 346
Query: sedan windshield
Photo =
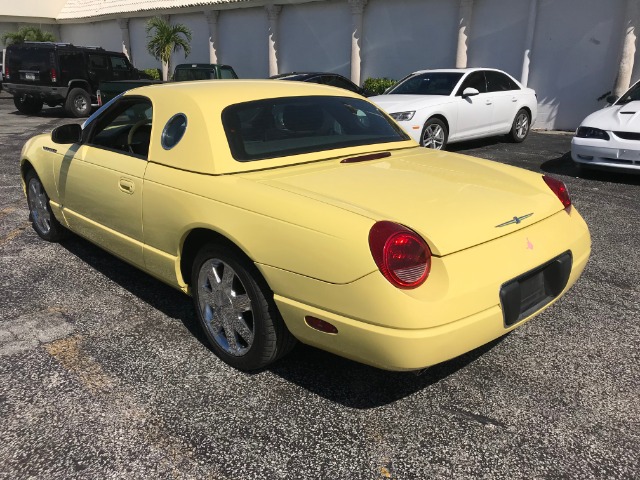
428 83
295 125
631 95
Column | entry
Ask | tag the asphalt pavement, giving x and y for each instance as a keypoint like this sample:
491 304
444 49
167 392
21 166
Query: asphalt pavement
104 372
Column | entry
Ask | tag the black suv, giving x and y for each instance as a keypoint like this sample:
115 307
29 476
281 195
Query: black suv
61 74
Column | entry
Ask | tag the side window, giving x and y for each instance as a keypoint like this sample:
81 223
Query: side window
71 64
340 82
227 73
119 63
98 62
474 80
125 127
499 82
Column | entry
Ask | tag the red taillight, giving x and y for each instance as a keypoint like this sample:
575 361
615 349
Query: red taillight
6 72
99 95
54 75
560 189
402 256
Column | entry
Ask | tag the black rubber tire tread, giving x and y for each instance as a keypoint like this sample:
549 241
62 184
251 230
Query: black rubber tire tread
70 107
513 137
56 231
28 105
437 121
272 339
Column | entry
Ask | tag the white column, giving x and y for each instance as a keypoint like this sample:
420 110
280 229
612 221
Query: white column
357 9
123 23
528 42
464 27
212 22
625 69
273 11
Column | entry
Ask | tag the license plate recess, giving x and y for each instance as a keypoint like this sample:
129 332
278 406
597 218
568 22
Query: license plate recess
531 291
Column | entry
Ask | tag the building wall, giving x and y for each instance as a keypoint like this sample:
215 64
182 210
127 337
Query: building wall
574 60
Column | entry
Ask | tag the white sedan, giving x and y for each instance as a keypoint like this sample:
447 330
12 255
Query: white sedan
610 138
437 107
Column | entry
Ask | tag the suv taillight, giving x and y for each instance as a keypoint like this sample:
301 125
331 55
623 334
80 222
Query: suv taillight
99 98
54 75
402 256
6 72
560 189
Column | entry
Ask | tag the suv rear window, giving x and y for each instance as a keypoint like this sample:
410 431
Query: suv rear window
278 127
26 58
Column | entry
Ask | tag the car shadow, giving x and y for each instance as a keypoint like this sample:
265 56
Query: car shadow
48 112
329 376
478 143
564 165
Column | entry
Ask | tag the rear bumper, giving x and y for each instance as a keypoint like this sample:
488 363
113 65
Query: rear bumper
458 312
47 94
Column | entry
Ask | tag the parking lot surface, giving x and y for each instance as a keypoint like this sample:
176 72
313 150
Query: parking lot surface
104 372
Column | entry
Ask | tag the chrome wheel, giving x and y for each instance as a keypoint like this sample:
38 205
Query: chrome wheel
80 103
434 136
38 206
522 125
225 307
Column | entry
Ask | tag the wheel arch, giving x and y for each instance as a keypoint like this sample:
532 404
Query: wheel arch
78 83
199 237
441 117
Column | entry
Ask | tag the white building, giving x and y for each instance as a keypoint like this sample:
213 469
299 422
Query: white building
572 52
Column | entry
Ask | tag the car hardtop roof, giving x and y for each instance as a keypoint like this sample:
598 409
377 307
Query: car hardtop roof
200 65
237 91
455 70
56 45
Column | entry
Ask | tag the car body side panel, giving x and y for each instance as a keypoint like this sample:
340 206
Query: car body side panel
271 226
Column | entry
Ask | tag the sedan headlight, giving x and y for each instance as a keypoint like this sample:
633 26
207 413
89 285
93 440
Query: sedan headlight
402 116
590 132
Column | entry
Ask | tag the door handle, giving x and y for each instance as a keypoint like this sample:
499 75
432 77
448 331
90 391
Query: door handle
514 99
127 186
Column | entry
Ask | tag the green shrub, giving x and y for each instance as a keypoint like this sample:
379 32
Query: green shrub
378 85
154 73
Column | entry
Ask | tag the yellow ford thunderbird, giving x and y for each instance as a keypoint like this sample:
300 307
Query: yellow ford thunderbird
294 211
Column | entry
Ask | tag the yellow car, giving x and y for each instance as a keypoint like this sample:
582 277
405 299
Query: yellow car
294 211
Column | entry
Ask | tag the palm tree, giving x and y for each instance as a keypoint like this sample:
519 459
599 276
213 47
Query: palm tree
164 39
28 34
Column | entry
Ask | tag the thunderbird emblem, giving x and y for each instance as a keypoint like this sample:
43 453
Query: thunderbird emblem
515 220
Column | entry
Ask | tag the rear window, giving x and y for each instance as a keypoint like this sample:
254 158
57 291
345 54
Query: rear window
279 127
33 59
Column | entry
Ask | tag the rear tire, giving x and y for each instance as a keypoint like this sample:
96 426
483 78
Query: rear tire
236 310
78 103
27 104
520 127
42 219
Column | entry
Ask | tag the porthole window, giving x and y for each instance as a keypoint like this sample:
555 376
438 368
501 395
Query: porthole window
173 131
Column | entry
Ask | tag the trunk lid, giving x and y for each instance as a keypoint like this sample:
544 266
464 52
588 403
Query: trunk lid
453 201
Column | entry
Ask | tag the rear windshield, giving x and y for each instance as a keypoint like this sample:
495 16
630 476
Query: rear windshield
27 58
294 125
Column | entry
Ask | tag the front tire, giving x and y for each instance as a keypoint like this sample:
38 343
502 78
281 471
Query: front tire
434 134
42 219
78 103
520 127
27 104
236 310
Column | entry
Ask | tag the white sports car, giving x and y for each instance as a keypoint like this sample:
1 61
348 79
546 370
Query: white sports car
610 138
437 107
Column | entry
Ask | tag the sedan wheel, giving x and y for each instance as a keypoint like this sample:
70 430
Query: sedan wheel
236 310
434 134
521 126
42 218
